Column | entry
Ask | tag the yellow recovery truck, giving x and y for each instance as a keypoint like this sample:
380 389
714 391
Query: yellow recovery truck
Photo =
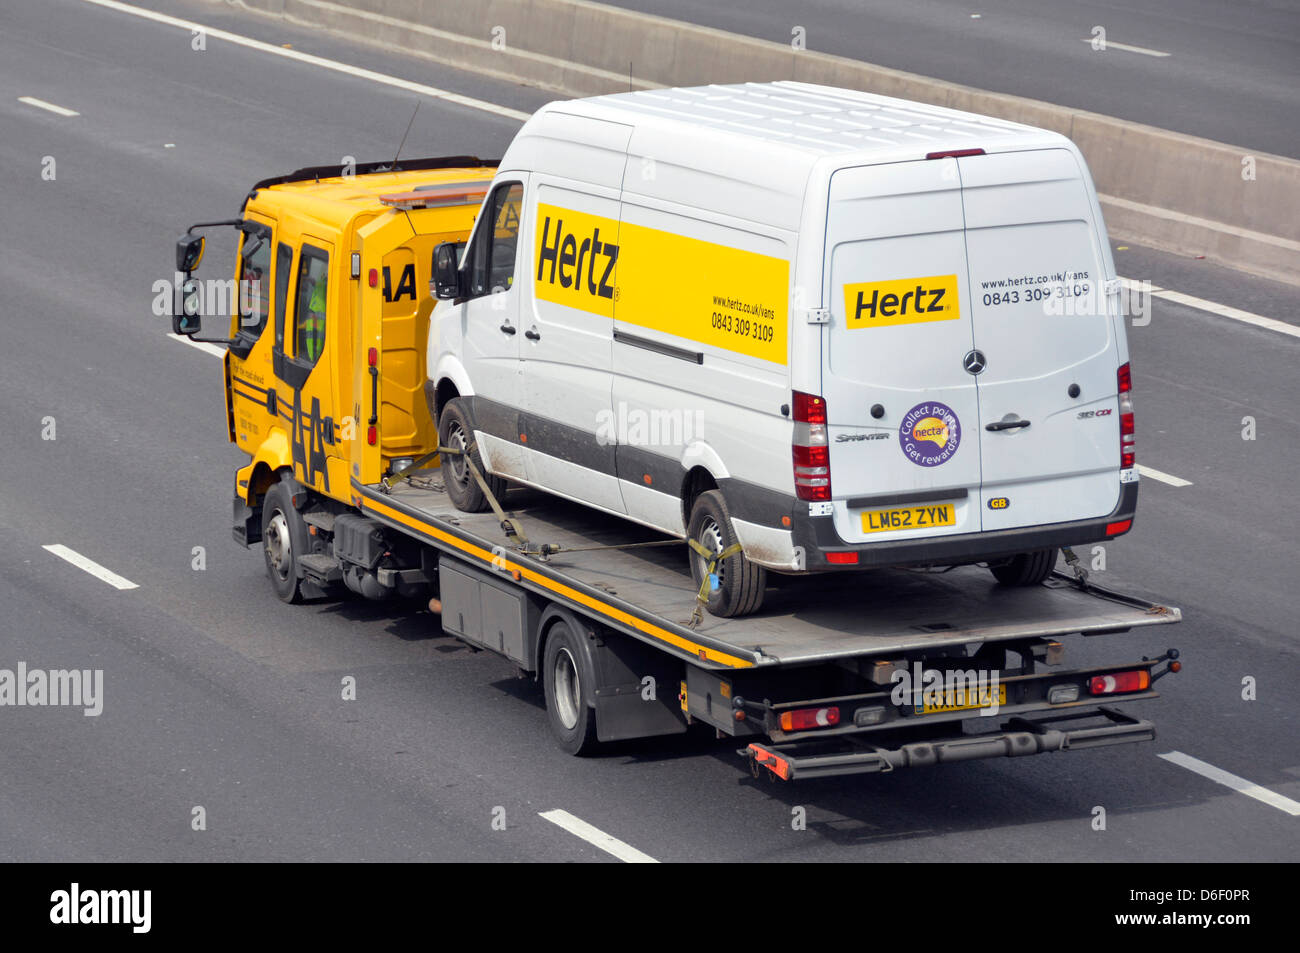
327 391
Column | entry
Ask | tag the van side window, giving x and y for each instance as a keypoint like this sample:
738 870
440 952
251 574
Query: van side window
283 262
496 242
309 316
254 281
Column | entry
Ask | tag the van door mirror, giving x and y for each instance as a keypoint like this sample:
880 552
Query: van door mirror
446 271
187 318
189 252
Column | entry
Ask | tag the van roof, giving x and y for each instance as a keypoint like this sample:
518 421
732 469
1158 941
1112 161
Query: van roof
820 120
753 148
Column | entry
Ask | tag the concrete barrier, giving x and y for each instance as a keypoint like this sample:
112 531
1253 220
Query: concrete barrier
1172 191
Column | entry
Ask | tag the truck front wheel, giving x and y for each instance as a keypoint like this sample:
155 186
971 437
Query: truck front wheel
284 536
736 587
565 677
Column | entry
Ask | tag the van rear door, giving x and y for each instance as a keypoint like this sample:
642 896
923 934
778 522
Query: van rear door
902 414
1043 325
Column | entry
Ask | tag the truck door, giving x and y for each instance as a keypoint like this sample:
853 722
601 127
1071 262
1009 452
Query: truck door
902 412
304 362
253 405
1049 344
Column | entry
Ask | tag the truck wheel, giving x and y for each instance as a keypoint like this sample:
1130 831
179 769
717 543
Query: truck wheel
454 431
284 536
564 681
740 583
1026 569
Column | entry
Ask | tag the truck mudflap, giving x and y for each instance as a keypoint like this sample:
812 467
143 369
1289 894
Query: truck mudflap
1017 737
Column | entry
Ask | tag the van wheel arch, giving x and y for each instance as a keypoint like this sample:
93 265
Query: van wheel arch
698 480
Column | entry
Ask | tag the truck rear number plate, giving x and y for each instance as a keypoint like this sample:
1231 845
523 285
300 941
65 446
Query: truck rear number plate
958 700
909 517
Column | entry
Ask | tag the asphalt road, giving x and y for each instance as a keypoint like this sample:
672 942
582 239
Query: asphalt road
218 696
1231 72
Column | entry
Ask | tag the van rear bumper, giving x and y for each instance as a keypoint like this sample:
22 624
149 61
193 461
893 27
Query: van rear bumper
817 536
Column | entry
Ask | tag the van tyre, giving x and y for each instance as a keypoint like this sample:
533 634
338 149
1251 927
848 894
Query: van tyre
454 431
284 539
1026 569
566 678
741 583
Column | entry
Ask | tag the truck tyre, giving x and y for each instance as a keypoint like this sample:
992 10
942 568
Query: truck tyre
740 583
454 431
284 537
565 680
1026 569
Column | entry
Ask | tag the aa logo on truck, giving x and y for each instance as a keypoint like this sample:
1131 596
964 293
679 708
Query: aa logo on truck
875 304
574 261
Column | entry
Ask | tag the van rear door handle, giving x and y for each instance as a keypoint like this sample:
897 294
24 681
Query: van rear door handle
532 335
1006 425
508 329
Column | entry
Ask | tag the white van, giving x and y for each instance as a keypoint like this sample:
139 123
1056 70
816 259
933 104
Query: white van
837 329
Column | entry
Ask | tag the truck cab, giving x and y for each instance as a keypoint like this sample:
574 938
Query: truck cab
328 325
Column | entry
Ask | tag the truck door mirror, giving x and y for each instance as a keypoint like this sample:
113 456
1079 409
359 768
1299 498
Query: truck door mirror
189 252
446 271
186 316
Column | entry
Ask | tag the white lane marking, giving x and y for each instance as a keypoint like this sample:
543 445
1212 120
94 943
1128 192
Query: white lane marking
1223 310
1112 45
599 838
1162 477
1241 785
387 80
90 566
49 107
203 346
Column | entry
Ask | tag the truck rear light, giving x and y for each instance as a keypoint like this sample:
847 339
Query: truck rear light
1117 529
842 559
811 450
1138 681
1127 440
872 715
372 435
803 719
1062 694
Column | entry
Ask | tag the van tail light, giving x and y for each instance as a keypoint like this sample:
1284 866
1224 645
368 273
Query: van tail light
954 153
1120 682
811 450
1127 442
804 719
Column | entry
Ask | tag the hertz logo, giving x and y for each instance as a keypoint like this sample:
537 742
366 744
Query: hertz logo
577 265
903 301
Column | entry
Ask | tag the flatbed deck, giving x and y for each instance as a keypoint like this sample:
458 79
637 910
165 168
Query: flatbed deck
648 593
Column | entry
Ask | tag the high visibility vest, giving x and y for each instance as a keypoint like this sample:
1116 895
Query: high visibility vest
314 325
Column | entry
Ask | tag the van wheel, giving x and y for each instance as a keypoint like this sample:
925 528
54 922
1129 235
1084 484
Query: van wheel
284 536
454 431
740 582
1026 569
564 682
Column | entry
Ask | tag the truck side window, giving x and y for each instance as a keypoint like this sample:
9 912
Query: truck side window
254 281
309 316
283 262
495 244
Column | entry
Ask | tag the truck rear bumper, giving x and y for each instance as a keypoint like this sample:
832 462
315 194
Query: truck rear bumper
1017 737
